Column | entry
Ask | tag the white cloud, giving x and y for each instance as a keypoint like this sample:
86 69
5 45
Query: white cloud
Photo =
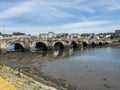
114 7
16 10
79 27
85 24
45 8
5 22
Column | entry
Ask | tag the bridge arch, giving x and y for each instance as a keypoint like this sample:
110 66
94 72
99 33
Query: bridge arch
15 47
93 44
73 44
58 45
84 44
106 43
40 45
100 44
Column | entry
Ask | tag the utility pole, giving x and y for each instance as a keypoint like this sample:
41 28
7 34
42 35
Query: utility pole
3 26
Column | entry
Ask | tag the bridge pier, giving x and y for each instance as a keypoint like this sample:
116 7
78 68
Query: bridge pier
27 49
2 48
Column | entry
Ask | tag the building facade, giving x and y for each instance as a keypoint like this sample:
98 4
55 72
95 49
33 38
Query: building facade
51 34
117 33
75 36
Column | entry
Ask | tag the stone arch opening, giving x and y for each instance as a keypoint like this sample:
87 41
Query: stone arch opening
58 45
15 47
84 44
73 44
106 43
41 46
100 44
93 44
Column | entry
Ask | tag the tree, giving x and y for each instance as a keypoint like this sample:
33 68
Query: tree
111 37
18 33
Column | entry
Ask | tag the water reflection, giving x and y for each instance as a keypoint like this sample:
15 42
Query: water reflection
57 53
15 47
87 68
34 49
11 47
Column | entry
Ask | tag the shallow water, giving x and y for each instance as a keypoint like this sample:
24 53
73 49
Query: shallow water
90 69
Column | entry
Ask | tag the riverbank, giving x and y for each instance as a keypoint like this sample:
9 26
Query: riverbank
20 81
29 64
114 44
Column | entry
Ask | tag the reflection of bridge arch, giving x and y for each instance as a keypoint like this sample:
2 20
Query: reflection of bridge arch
74 44
58 53
58 45
17 46
93 44
41 45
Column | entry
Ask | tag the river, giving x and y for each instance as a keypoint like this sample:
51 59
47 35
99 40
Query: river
88 69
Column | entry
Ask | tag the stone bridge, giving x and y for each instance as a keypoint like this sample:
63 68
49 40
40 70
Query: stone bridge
48 44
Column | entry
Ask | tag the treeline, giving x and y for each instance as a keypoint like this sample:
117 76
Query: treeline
14 33
18 33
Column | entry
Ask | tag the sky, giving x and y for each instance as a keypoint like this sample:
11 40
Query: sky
59 16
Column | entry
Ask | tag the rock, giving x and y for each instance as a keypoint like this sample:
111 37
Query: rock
107 86
104 79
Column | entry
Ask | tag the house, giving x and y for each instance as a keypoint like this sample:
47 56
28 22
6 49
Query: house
6 36
107 36
117 33
1 36
43 35
21 36
75 36
51 35
86 35
65 36
104 36
94 37
58 36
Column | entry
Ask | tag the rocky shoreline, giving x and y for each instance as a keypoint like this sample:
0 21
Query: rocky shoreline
20 81
25 67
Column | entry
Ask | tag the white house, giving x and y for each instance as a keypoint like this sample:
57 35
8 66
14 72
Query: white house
1 37
43 35
117 33
51 34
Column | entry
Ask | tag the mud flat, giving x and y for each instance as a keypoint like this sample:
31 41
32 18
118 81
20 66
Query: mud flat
30 64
